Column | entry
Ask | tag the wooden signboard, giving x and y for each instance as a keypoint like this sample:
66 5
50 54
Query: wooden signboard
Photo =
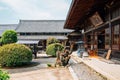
96 19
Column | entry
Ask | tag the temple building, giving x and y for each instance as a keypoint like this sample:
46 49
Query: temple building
99 22
36 32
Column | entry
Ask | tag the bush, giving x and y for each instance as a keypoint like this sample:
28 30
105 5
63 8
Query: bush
15 55
0 42
52 40
49 65
4 75
52 48
9 36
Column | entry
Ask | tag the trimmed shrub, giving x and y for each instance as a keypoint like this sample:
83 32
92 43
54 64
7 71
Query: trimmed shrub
51 40
4 75
9 36
15 55
0 42
52 48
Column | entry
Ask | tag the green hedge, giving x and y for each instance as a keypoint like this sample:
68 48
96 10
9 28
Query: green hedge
52 48
15 55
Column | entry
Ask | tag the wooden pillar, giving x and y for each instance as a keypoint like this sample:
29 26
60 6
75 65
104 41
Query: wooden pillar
110 30
85 41
110 35
43 44
71 45
96 40
119 37
92 44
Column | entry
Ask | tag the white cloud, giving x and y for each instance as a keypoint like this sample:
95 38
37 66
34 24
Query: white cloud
2 8
37 9
26 10
57 6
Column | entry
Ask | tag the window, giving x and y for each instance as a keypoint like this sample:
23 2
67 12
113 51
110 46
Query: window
116 13
116 34
28 33
22 33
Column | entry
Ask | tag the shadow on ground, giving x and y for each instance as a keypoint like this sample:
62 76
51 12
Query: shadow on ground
36 64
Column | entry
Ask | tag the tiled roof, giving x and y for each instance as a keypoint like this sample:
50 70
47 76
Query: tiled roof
4 27
41 26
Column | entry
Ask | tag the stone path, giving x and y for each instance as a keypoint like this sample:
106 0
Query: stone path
108 70
83 72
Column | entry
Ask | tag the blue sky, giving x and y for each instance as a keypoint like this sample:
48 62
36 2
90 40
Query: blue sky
11 11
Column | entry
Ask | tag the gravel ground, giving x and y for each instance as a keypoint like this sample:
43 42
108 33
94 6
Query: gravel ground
36 64
38 70
43 74
82 71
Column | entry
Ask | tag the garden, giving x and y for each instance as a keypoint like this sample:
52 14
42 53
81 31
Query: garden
17 55
12 54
